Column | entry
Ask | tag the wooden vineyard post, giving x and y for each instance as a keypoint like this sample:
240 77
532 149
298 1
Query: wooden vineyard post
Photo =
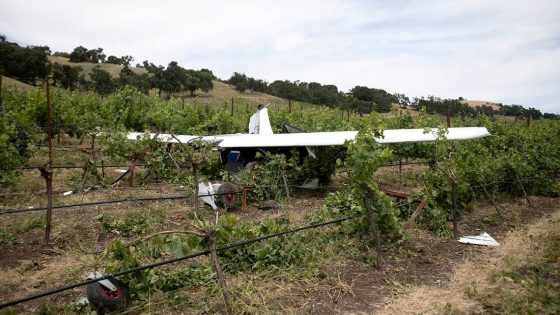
231 107
244 198
286 185
195 176
449 118
103 169
131 178
290 105
528 120
211 237
182 102
454 210
46 171
375 232
492 201
529 204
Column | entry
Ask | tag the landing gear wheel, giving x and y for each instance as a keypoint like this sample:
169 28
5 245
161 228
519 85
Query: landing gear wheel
227 196
104 300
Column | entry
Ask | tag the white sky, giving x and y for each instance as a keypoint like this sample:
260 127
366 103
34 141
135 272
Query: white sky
502 51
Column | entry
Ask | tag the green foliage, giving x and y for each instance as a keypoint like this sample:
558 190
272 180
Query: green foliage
101 81
282 251
132 224
65 76
31 224
265 179
82 54
26 64
534 280
17 132
377 213
8 238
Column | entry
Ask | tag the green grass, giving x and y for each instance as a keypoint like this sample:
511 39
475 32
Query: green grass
532 287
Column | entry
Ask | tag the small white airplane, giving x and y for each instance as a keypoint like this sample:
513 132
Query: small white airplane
240 150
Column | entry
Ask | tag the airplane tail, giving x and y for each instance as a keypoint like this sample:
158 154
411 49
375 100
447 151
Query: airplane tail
259 122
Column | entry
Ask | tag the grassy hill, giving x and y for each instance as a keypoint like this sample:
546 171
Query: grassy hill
478 103
14 83
113 70
221 91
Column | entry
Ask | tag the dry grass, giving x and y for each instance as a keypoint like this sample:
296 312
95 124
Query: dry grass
114 70
478 103
14 83
478 275
31 278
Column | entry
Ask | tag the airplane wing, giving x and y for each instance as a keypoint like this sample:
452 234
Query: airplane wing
333 138
312 139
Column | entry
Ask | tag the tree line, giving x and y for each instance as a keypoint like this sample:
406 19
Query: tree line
455 107
363 99
29 64
360 99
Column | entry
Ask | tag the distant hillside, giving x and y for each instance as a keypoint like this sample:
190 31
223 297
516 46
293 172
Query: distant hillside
478 103
225 91
14 83
114 70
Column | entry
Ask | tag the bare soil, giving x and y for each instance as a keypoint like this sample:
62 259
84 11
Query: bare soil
423 260
345 285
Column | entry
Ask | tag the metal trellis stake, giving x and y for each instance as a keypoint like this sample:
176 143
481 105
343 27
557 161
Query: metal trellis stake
46 171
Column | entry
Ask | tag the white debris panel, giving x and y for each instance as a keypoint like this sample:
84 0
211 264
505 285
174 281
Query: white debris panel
482 239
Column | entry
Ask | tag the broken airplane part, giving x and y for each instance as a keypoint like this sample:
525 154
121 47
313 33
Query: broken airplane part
239 151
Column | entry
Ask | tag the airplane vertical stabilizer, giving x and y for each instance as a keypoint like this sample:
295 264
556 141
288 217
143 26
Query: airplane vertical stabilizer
259 123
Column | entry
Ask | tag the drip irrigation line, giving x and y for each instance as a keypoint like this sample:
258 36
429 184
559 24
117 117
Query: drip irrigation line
170 261
41 208
85 204
28 167
104 202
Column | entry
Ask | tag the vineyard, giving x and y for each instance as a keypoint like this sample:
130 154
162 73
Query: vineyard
129 209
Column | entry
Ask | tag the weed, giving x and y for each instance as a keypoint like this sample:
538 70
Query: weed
536 284
8 238
31 224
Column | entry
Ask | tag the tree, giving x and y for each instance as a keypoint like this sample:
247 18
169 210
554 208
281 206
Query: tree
239 81
79 54
124 60
129 77
23 63
82 54
65 75
191 81
156 78
61 54
402 99
101 81
206 77
174 76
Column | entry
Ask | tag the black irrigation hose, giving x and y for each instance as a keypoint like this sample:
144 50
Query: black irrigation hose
30 167
86 204
170 261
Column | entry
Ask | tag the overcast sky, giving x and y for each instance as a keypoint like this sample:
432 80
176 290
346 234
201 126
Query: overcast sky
502 51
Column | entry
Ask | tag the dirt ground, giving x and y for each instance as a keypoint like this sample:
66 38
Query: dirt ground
354 287
346 285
